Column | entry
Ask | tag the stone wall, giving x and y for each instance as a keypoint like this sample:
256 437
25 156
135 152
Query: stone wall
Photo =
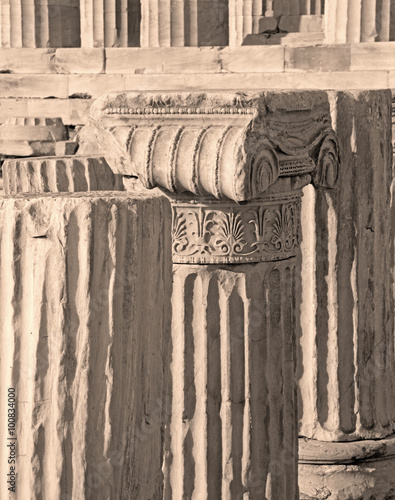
63 83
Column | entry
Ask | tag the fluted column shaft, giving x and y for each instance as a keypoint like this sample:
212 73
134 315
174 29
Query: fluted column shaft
57 174
348 391
233 424
39 23
178 23
163 23
233 429
109 23
244 16
84 312
346 365
353 21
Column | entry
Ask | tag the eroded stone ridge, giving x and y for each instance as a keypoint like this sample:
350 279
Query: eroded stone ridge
231 146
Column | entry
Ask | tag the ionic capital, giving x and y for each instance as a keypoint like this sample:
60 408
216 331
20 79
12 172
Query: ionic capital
224 146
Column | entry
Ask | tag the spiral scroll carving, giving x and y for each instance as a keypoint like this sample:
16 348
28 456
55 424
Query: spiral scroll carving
326 173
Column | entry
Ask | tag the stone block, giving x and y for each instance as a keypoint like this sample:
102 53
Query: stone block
292 39
328 58
340 80
191 60
26 60
50 108
372 56
252 59
267 24
60 60
299 39
30 136
222 81
133 60
15 107
255 40
42 86
78 60
27 148
94 85
362 470
32 129
72 111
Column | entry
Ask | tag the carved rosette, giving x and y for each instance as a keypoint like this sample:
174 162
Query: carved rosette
214 232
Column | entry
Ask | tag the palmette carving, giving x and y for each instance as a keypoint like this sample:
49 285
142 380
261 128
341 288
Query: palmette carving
284 237
265 230
231 233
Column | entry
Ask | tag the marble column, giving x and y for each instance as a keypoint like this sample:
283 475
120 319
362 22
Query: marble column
179 23
232 429
368 21
383 20
244 17
354 21
109 23
84 313
234 178
251 17
338 22
39 23
346 363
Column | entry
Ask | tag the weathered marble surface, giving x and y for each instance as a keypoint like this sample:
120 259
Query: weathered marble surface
59 174
362 470
228 146
233 166
84 312
346 365
354 22
232 430
218 150
346 360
